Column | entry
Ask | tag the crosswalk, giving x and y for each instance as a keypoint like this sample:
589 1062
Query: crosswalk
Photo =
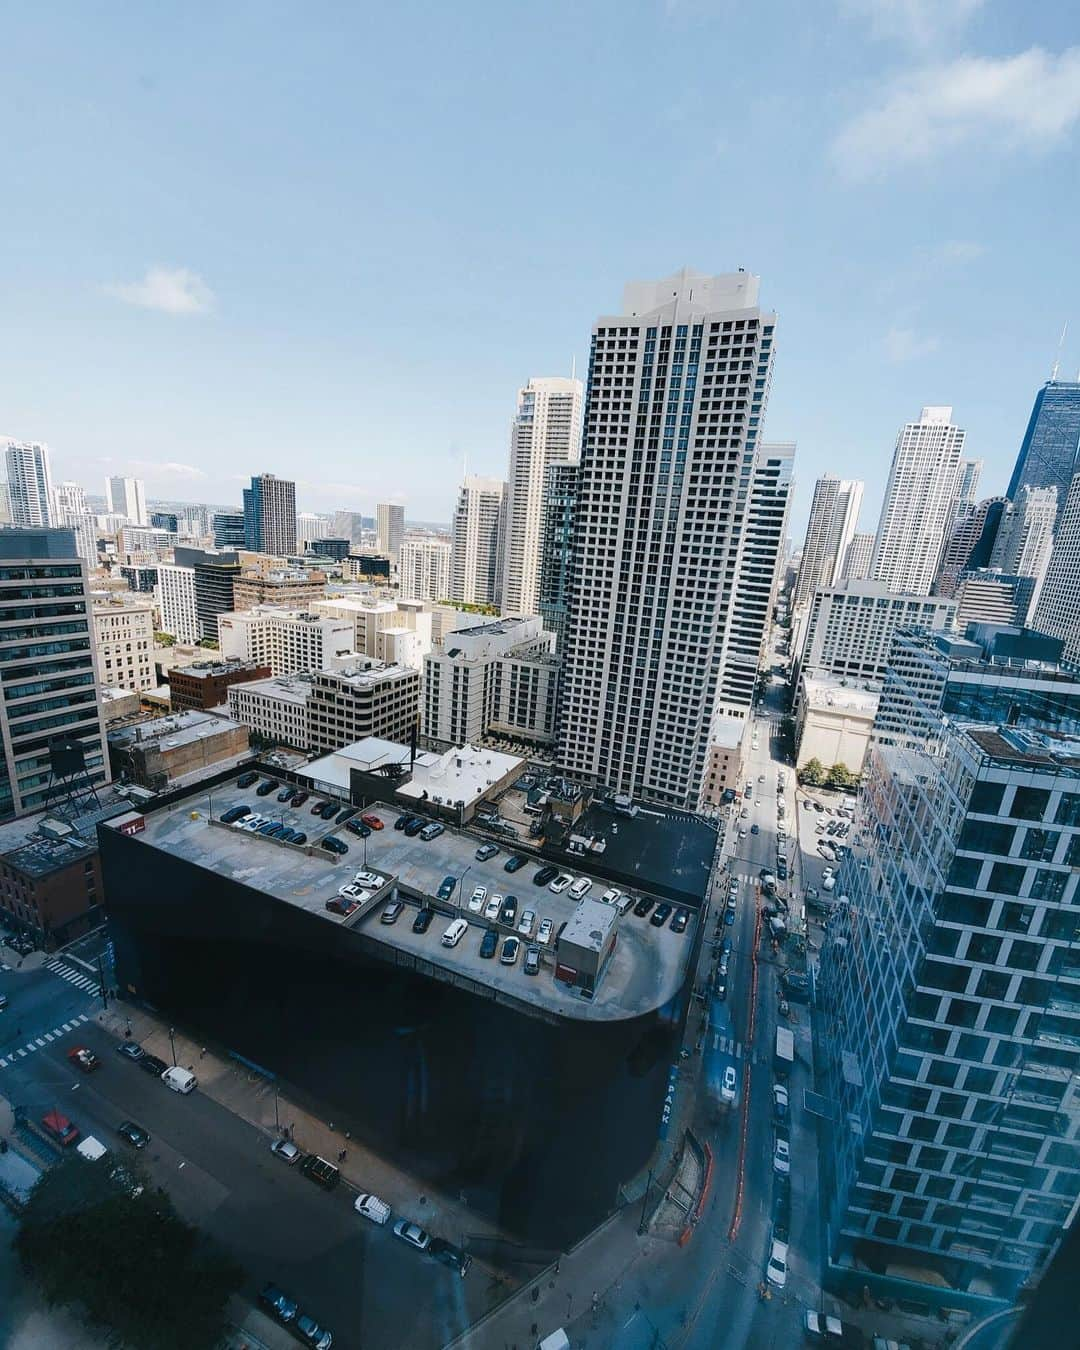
729 1046
40 1042
79 978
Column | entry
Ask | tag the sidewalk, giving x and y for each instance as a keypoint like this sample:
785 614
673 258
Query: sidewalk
252 1097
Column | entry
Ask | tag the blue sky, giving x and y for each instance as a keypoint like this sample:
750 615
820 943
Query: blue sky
331 243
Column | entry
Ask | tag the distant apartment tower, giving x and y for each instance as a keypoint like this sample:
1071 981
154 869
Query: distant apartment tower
950 982
390 529
475 535
270 515
424 568
1025 535
857 558
677 389
30 486
834 513
985 595
546 430
127 497
918 502
1050 453
310 528
968 482
176 602
215 576
71 513
851 626
557 547
1058 609
229 529
969 542
47 667
165 520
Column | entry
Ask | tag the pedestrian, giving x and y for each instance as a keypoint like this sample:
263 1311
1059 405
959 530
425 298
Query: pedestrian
341 1156
348 1135
202 1052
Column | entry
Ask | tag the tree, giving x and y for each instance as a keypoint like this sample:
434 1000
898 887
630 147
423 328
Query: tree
812 772
164 639
841 777
129 1260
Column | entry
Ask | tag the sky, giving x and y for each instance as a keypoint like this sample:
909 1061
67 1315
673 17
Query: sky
331 242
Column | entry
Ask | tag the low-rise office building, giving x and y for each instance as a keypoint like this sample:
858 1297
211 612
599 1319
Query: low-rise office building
275 709
283 587
124 642
158 753
834 719
396 631
205 684
285 640
849 626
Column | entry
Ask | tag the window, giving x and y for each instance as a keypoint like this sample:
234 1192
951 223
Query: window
986 798
1030 803
1006 878
1068 809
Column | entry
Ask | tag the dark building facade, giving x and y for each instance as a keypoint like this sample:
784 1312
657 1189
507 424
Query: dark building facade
205 684
1049 453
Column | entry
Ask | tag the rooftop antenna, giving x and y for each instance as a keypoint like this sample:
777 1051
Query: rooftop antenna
1061 343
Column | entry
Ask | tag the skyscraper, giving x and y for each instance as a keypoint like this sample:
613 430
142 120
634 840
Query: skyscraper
71 512
270 515
1058 609
425 568
475 534
857 558
229 529
918 502
46 667
546 430
968 482
556 546
390 524
30 486
969 541
127 497
1050 453
834 513
676 395
1025 535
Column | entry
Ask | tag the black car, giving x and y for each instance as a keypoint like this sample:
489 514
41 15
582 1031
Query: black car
133 1134
329 811
151 1064
423 919
446 888
643 906
679 922
235 813
514 863
246 779
358 827
317 809
264 789
508 913
280 1304
298 837
286 793
346 813
450 1255
300 797
489 944
401 822
333 845
661 915
545 876
415 825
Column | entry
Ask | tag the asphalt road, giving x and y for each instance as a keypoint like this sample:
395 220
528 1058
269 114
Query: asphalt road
355 1278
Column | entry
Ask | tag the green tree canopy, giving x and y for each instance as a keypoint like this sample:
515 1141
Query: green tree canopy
840 776
812 772
134 1266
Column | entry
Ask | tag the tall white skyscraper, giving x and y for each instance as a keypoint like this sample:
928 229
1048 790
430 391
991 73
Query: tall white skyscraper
475 533
677 389
857 558
71 512
390 524
425 568
919 501
1058 609
834 513
968 482
127 497
30 487
546 430
1025 534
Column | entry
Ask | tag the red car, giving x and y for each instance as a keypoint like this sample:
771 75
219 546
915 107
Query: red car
60 1128
373 821
84 1059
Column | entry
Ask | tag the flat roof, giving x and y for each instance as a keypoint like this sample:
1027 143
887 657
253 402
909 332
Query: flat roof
824 692
178 729
646 969
288 688
462 774
1028 746
48 840
204 670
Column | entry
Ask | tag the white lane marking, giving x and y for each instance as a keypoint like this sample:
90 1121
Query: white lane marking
82 1017
21 1054
40 1042
48 1036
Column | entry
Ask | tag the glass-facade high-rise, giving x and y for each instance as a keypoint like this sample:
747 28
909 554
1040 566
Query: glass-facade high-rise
1049 454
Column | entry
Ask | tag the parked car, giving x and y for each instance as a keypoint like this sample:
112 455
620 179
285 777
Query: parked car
510 949
432 831
776 1270
611 896
780 1103
514 863
532 961
133 1134
509 910
580 888
151 1064
309 1330
414 827
246 779
402 821
300 797
180 1079
486 851
358 828
754 829
543 933
561 882
333 845
286 1150
782 1156
455 932
423 919
412 1234
489 943
450 1256
526 923
278 1303
343 905
371 1207
827 883
60 1128
372 821
391 910
643 906
446 888
235 813
661 915
680 920
321 1172
130 1050
329 811
265 788
371 881
493 908
476 900
84 1059
286 793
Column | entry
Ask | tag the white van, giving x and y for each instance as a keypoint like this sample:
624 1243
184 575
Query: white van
558 1340
455 933
90 1148
180 1080
371 1207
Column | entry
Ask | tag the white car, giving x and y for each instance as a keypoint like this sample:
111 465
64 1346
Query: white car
781 1158
561 882
353 891
828 883
611 896
776 1270
369 880
742 834
733 884
493 907
476 900
544 932
251 823
727 1090
580 888
526 922
455 933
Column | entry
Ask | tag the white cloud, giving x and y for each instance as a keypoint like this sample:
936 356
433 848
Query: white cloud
958 251
904 344
1025 102
172 290
919 22
169 468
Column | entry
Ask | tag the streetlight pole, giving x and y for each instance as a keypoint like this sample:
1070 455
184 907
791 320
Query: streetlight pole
461 886
172 1043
